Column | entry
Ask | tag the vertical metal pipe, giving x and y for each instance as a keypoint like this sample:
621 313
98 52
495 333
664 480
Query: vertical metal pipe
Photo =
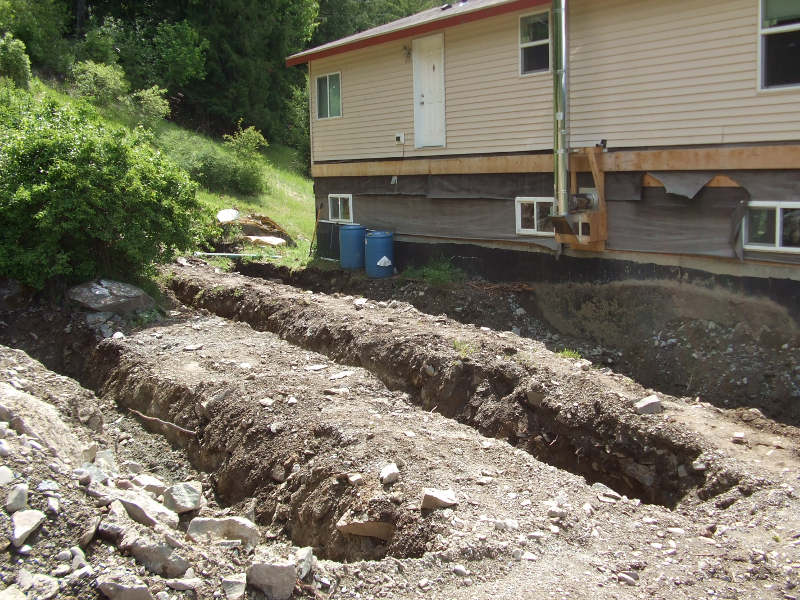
560 108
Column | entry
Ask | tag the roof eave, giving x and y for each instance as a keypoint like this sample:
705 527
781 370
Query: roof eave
413 30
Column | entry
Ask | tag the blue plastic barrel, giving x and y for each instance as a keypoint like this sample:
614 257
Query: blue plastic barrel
379 253
351 246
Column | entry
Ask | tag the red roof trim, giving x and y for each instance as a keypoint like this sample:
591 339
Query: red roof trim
416 30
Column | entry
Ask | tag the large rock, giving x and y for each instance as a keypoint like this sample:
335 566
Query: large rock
157 556
25 522
121 585
275 577
145 510
150 483
352 524
304 559
227 528
234 586
433 498
650 405
17 498
184 497
37 585
12 592
6 475
38 420
111 296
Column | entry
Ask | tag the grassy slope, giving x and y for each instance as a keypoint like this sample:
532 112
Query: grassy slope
289 200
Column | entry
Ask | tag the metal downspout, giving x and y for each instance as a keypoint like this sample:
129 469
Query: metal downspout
560 108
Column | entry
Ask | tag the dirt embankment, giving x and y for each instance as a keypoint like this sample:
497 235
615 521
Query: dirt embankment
679 338
559 410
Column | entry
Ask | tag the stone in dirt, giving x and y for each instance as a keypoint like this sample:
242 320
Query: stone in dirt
351 525
184 585
433 498
17 498
150 483
234 586
304 559
650 405
389 474
227 528
25 522
12 593
147 511
36 585
121 585
157 556
273 576
6 475
184 497
106 295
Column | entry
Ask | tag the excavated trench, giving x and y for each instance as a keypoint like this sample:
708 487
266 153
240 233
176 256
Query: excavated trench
568 419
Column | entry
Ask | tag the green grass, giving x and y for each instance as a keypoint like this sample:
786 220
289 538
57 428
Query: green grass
463 348
569 353
439 271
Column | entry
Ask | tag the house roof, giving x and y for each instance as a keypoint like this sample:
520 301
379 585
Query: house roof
426 21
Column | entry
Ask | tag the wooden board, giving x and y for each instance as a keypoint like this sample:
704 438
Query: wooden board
687 159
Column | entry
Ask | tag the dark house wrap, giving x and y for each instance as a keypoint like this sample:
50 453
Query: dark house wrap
683 217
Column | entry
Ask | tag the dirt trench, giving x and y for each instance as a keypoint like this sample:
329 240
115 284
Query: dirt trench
677 337
503 386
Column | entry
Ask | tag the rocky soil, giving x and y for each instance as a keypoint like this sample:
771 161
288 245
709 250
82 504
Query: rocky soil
262 440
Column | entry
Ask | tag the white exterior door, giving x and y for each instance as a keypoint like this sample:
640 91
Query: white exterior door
428 64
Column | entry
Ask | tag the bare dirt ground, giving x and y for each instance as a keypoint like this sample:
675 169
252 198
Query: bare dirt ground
289 403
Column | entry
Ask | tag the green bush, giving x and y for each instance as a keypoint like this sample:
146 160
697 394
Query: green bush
79 199
14 62
98 44
150 105
245 143
99 83
40 24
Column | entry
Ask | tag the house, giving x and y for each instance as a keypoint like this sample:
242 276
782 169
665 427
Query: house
622 137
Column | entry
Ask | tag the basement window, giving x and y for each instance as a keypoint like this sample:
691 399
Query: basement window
772 226
329 96
780 43
531 215
534 43
340 208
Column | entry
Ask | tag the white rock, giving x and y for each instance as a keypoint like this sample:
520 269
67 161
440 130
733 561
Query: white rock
53 506
6 475
184 497
234 586
12 592
183 585
157 556
64 556
351 524
17 498
25 522
460 570
121 585
228 528
162 595
147 511
150 483
105 460
5 448
355 479
62 570
433 498
304 560
78 558
37 585
506 524
390 474
273 576
89 452
132 467
648 406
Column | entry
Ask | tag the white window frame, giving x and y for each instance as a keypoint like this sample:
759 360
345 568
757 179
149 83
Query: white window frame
762 33
548 41
327 91
535 200
776 247
338 198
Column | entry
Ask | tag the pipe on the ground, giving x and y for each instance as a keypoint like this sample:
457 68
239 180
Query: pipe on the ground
560 108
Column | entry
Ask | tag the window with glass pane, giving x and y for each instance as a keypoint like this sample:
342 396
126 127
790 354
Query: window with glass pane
780 42
329 96
534 43
761 226
543 210
333 208
790 226
532 215
528 216
340 208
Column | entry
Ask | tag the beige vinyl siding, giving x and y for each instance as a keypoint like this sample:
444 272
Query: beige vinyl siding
489 107
644 73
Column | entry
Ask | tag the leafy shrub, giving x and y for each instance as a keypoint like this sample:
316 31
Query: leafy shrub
150 105
98 44
79 199
245 143
14 62
99 83
439 271
569 353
